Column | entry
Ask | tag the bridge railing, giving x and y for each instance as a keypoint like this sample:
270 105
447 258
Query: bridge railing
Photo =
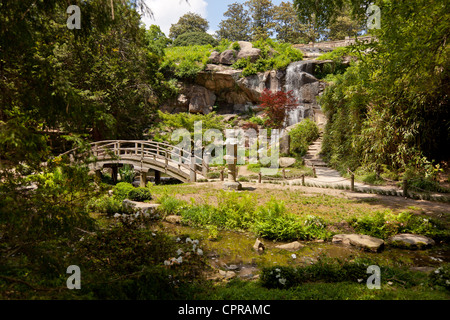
170 155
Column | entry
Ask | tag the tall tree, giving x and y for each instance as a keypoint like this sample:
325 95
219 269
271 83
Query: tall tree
99 80
287 25
391 109
317 15
261 12
345 25
236 26
190 22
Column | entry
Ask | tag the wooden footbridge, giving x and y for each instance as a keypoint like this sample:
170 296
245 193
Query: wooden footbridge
144 156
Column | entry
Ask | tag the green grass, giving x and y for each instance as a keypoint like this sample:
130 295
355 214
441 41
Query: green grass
241 290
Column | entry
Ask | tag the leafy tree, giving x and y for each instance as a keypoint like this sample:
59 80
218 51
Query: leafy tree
344 25
157 40
288 27
190 22
261 12
317 15
276 105
391 108
194 38
236 26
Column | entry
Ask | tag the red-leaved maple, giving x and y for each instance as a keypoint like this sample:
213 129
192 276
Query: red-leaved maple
276 106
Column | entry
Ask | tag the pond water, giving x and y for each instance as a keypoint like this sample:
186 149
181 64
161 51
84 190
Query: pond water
234 251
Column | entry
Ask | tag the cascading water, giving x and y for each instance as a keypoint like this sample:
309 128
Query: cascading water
294 82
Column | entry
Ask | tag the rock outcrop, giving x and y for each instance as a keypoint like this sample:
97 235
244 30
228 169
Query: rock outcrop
222 86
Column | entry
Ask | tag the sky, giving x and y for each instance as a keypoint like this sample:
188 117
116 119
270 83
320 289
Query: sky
167 12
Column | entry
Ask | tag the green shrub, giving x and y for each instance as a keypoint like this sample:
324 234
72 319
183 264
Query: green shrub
236 46
302 136
274 223
121 190
140 194
194 38
107 205
385 224
213 175
279 277
441 276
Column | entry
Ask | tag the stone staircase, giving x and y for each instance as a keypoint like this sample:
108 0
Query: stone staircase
312 157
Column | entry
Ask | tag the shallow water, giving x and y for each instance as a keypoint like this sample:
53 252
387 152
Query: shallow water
234 251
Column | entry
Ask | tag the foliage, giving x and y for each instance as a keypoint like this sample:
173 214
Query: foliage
171 122
390 109
334 271
261 12
190 22
157 40
107 205
115 270
441 276
236 26
287 25
274 55
302 135
170 205
127 173
385 224
78 81
121 190
273 222
185 64
140 195
188 39
276 106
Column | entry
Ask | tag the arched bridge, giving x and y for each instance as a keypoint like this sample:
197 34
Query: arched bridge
145 156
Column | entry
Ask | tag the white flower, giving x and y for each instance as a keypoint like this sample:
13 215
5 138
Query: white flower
188 240
294 256
195 241
194 247
436 271
179 252
200 252
167 263
178 240
277 270
360 280
282 281
154 234
180 259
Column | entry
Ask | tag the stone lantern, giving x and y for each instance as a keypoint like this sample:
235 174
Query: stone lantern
231 160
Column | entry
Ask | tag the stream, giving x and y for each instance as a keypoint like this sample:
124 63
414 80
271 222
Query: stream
233 251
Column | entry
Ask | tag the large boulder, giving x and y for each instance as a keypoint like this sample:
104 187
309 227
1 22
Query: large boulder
411 241
214 57
361 241
247 51
228 57
286 162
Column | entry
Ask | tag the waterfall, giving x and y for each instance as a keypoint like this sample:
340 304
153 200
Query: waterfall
295 79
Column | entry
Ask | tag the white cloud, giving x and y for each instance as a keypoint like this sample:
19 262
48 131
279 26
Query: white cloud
168 12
